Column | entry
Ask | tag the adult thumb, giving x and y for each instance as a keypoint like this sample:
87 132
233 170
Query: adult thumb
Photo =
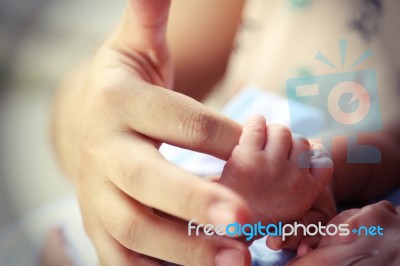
143 26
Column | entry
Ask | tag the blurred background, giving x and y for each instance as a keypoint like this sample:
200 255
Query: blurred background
40 41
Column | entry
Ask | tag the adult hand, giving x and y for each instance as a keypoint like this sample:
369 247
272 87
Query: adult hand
354 249
132 200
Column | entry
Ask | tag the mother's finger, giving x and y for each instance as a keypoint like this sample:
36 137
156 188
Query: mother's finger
140 230
332 256
147 177
111 252
143 26
170 117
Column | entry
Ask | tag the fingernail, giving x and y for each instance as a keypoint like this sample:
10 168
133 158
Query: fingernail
229 257
221 213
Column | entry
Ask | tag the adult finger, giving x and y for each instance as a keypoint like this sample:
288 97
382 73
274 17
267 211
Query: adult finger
143 25
171 117
138 229
111 252
137 169
140 43
331 256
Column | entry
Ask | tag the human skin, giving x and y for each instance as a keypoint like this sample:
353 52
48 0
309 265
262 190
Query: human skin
110 119
98 115
283 177
357 250
262 58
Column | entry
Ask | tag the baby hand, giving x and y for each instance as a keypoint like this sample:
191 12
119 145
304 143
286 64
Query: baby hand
356 249
283 178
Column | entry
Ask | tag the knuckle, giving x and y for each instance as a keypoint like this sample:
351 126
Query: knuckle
108 91
256 127
370 208
284 132
126 229
354 221
386 205
130 234
92 139
304 142
200 127
133 176
109 96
